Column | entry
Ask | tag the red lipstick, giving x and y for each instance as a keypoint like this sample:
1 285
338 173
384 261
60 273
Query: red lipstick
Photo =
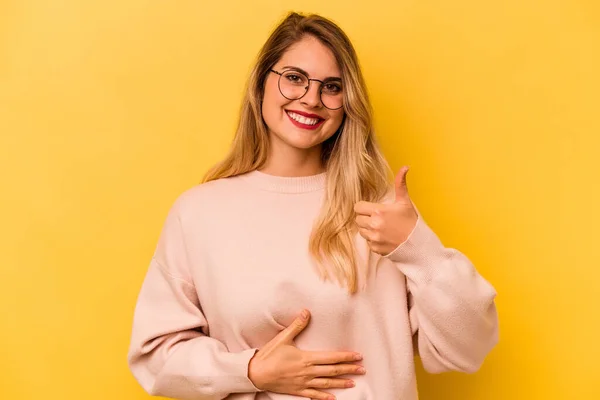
306 115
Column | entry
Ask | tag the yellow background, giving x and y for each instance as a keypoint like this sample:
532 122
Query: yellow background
110 109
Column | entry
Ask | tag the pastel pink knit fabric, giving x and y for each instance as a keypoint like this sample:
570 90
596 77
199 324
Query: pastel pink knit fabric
232 269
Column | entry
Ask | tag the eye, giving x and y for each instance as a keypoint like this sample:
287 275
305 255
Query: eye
295 78
332 88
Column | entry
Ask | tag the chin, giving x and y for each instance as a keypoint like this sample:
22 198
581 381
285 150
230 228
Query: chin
302 144
300 138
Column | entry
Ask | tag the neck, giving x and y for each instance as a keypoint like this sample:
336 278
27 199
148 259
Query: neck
292 162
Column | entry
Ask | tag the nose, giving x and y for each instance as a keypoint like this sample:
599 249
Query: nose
312 98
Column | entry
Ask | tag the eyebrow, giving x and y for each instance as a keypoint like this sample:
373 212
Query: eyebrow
329 78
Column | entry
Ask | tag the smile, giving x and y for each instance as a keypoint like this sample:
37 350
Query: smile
303 121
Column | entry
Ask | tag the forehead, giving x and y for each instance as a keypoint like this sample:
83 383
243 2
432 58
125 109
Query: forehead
312 56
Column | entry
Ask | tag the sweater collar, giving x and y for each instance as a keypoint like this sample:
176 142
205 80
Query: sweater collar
285 184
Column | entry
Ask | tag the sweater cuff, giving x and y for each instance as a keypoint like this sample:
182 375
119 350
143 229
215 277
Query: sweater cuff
419 256
238 364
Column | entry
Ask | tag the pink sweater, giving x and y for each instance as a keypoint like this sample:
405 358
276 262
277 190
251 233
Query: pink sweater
232 269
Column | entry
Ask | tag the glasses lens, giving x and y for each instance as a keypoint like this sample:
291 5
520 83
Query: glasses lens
332 95
293 84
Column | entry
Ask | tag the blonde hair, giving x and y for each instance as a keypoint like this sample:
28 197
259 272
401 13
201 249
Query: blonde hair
356 168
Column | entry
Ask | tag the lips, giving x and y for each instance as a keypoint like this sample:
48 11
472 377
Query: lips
305 120
305 114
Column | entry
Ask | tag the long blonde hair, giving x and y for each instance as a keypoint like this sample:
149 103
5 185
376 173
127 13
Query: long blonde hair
356 168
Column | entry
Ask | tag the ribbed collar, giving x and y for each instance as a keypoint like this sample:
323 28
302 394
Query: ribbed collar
285 184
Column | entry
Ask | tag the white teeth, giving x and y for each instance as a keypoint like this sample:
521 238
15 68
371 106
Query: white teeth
302 119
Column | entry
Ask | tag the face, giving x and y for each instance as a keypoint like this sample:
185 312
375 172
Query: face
302 124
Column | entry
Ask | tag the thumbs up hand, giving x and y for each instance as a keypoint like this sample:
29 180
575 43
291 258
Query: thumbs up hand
386 226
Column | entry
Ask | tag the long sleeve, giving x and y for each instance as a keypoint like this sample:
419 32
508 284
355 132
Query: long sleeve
451 306
170 352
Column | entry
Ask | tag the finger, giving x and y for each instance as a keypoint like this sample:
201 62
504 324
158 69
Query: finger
315 394
292 330
367 234
366 208
331 357
400 184
336 370
363 221
330 383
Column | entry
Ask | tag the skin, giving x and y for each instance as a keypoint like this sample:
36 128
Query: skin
296 151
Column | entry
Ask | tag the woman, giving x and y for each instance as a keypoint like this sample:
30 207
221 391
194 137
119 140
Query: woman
295 270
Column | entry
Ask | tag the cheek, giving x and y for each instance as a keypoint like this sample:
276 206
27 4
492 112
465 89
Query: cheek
336 120
272 102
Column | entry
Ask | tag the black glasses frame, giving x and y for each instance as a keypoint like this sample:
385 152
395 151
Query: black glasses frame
306 89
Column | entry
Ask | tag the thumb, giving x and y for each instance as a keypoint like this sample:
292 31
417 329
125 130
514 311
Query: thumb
297 326
400 184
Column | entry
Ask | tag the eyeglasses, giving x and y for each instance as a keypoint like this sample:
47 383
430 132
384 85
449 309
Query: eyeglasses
293 85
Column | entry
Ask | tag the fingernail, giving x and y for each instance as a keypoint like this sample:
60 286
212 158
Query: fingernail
361 370
358 357
304 314
350 384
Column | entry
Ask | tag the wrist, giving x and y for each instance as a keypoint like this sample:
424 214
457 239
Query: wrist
254 373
